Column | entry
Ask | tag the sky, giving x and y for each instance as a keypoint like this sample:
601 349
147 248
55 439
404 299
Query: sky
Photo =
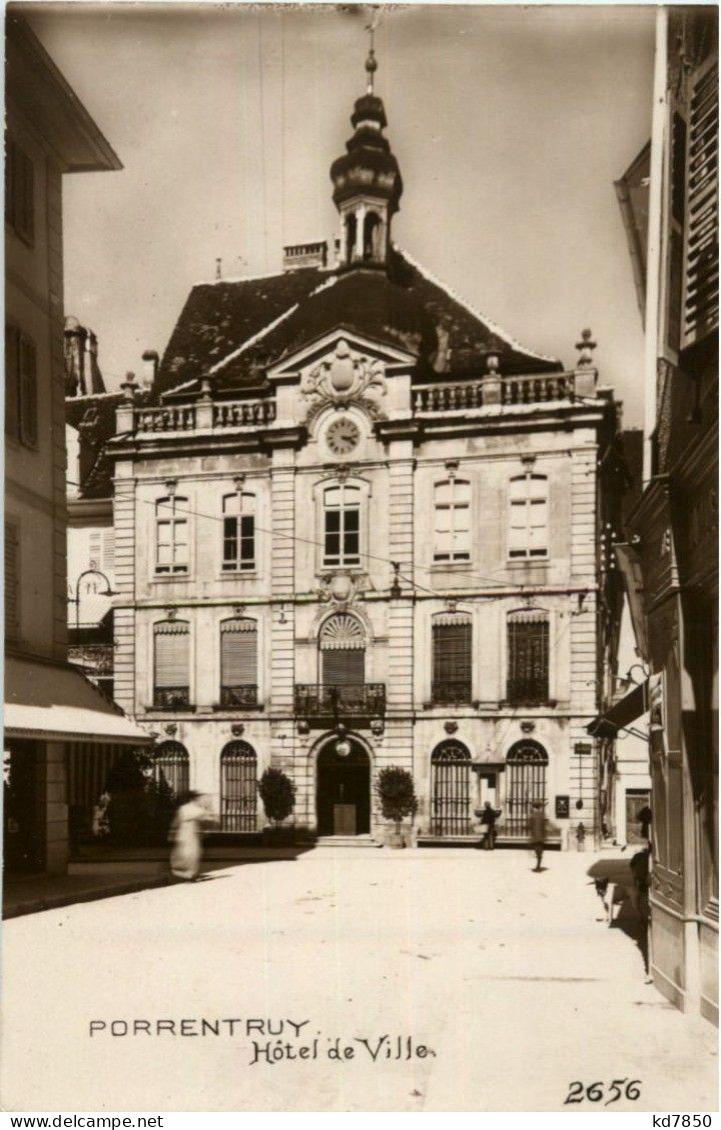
510 125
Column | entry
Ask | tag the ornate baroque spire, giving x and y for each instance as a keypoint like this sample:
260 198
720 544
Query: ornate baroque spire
367 183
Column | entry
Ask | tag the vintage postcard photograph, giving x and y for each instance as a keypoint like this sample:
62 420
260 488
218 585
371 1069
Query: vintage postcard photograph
361 560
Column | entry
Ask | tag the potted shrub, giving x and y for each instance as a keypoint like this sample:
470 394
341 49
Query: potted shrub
277 792
397 794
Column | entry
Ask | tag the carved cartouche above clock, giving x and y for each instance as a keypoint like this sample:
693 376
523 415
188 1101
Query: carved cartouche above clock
347 377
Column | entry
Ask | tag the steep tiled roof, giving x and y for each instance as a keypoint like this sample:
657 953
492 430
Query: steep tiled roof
94 419
234 330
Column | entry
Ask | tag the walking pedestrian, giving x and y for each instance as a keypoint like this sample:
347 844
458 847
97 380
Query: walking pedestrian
489 816
537 827
186 836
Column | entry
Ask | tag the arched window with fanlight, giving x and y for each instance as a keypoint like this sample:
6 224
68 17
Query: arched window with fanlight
171 769
238 788
342 651
450 790
526 765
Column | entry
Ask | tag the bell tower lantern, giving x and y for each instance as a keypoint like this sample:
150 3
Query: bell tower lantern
367 183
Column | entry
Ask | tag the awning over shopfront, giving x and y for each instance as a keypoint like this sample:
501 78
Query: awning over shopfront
627 710
54 702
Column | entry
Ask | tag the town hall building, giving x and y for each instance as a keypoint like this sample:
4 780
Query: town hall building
358 525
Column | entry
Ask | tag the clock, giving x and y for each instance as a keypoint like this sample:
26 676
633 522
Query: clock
342 435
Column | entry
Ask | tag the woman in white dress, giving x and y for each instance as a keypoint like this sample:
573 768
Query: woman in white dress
186 836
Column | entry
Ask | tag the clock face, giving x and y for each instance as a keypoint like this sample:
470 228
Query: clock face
342 435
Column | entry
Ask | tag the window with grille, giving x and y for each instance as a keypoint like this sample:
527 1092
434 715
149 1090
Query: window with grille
171 526
19 191
172 664
700 291
452 662
528 516
239 532
453 524
239 662
528 657
341 525
21 407
12 581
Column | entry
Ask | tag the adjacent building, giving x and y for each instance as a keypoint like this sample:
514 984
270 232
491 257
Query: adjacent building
357 525
671 557
53 718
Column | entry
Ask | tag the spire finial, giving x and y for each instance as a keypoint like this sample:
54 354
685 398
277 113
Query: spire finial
371 62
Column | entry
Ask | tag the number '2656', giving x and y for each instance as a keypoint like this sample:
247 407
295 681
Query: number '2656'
596 1092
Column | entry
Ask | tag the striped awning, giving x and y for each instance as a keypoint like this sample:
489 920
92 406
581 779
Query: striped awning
528 616
448 619
239 625
171 628
342 632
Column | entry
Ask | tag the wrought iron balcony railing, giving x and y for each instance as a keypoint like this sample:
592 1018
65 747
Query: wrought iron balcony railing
445 693
241 697
171 698
346 700
527 692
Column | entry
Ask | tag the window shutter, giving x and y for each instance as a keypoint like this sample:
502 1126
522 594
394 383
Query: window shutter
12 580
452 652
172 654
28 393
108 557
343 667
12 402
238 653
25 199
700 304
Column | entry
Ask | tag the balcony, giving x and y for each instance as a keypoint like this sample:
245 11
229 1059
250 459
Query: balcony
243 697
452 693
352 700
171 698
527 692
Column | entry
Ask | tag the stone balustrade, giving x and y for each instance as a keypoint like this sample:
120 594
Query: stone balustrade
168 418
189 417
241 413
494 390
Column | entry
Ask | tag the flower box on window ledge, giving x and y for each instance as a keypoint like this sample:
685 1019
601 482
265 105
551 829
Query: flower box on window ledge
172 698
243 697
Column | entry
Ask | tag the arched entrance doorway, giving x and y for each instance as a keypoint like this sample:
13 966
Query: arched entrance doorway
526 764
343 791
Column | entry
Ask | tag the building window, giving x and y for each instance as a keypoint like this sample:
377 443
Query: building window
238 532
238 788
239 663
342 650
12 581
528 657
172 665
528 518
171 524
21 398
341 525
171 770
453 527
19 191
452 663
